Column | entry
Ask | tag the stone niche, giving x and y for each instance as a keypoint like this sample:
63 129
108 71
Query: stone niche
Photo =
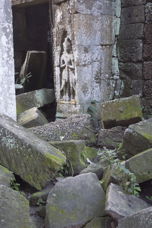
83 45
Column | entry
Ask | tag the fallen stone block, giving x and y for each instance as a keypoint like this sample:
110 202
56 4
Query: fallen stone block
74 201
31 118
120 205
121 112
6 177
110 138
36 98
76 127
76 153
141 165
33 159
14 209
138 220
137 138
94 168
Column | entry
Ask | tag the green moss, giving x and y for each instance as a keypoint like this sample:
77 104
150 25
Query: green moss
5 170
89 152
147 136
55 161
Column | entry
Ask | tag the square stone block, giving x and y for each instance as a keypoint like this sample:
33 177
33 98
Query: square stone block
147 72
134 14
131 31
130 50
147 53
148 33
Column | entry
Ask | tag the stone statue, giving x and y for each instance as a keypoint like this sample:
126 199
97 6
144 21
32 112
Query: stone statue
68 79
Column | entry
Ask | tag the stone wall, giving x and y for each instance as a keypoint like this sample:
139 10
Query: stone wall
7 85
84 43
135 50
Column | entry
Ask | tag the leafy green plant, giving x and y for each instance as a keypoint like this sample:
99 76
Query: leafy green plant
14 185
126 179
149 198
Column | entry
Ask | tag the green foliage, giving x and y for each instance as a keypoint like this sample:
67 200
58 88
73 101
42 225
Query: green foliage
14 185
149 198
126 179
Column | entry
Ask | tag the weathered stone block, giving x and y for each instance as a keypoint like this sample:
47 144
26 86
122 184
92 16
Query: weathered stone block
140 219
147 91
91 30
134 14
137 87
147 72
31 118
97 7
110 138
120 205
122 111
137 138
75 201
76 127
147 106
131 31
147 52
130 70
6 176
96 168
36 98
76 152
14 209
34 160
148 12
141 166
148 33
126 3
130 50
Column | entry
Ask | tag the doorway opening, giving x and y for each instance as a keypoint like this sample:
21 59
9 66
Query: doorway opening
33 46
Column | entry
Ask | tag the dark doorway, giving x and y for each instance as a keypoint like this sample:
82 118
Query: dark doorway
33 47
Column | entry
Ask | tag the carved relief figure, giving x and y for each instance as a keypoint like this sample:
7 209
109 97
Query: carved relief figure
68 79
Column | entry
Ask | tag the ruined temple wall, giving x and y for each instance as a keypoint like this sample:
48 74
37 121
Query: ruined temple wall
7 85
135 50
89 29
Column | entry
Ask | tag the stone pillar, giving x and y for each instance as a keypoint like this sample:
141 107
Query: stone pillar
83 44
7 84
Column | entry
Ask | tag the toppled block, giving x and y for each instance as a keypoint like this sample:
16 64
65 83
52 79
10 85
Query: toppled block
121 112
14 209
31 118
141 165
33 159
6 177
76 153
74 201
36 98
94 168
140 219
110 138
137 138
76 127
120 205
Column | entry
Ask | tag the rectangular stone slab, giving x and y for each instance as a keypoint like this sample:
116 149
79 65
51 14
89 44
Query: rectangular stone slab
33 159
121 112
36 98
